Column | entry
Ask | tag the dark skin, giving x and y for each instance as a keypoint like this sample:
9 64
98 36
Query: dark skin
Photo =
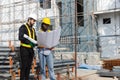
45 27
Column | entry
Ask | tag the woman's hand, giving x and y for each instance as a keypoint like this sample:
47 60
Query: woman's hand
51 48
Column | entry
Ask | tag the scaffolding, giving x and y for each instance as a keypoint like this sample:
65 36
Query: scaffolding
80 20
15 13
12 17
84 26
62 13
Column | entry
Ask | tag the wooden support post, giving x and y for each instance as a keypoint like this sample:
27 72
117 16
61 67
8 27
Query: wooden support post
118 78
58 76
13 76
39 77
68 72
47 74
73 69
32 68
34 64
19 72
10 63
11 46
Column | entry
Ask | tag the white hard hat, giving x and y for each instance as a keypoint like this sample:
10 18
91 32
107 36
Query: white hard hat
34 16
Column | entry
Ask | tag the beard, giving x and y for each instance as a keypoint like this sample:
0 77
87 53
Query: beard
31 24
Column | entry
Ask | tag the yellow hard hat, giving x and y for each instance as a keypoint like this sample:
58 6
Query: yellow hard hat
46 21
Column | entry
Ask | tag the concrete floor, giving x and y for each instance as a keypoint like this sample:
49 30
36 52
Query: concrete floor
87 75
97 77
84 74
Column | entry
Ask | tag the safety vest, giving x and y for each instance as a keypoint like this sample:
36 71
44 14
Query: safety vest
31 36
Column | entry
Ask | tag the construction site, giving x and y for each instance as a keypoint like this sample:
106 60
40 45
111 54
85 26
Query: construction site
89 44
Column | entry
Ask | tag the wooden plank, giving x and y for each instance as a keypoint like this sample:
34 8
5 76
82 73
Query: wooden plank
108 64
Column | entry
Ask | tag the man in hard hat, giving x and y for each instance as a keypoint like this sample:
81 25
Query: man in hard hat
45 54
26 46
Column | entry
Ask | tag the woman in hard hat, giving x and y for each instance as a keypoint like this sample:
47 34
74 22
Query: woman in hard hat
26 46
45 54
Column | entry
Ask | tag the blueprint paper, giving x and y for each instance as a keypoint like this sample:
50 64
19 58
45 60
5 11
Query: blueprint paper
30 39
49 39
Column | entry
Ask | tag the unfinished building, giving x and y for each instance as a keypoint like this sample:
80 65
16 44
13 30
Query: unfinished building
90 28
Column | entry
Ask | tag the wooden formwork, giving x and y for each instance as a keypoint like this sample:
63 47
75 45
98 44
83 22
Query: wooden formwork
108 64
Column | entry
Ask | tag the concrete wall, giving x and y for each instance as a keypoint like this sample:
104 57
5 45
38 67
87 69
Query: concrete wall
107 4
91 58
111 43
108 41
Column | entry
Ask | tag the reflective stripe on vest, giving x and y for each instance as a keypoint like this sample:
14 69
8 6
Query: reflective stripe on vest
25 45
29 34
